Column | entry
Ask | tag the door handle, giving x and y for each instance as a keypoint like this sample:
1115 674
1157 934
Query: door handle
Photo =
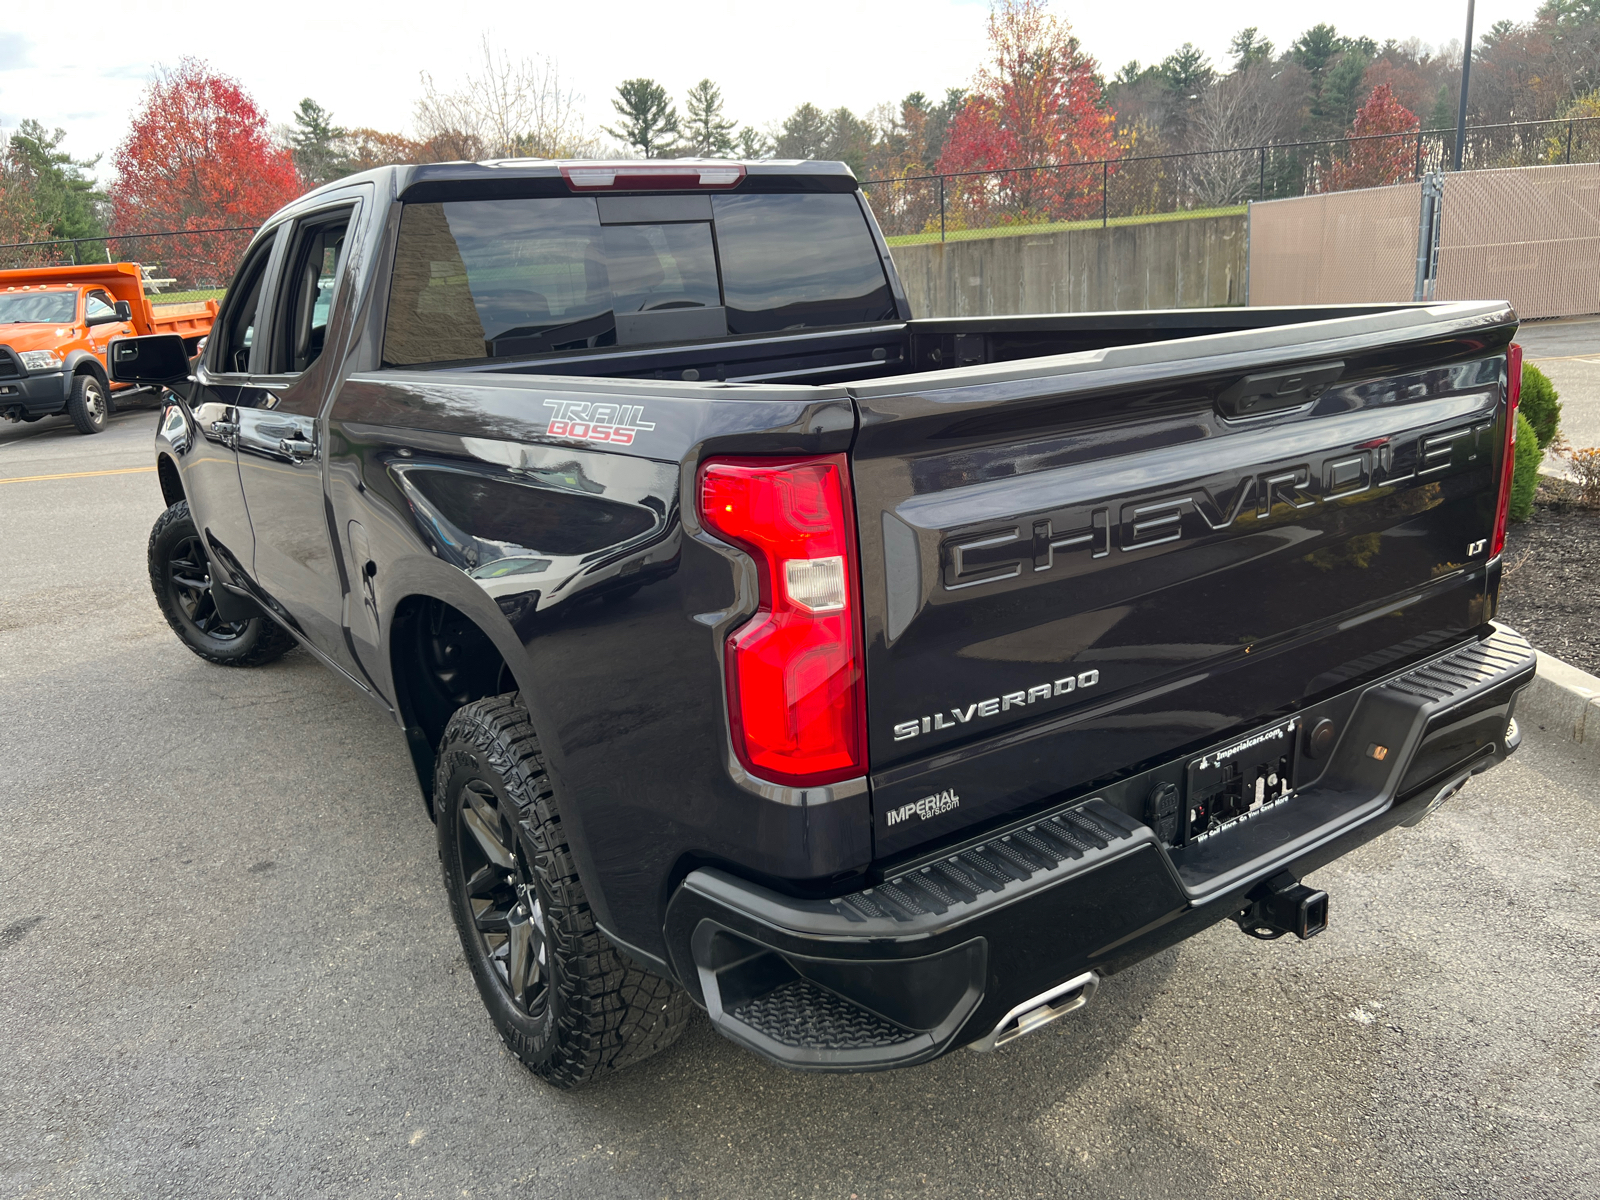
227 432
297 447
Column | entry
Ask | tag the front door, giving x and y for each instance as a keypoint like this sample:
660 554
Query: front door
281 450
222 388
100 315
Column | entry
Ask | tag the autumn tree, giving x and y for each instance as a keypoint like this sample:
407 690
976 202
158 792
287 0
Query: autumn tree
199 156
649 119
1384 155
1037 101
707 132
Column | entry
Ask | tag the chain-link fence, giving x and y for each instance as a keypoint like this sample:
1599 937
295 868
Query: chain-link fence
192 264
1530 235
937 208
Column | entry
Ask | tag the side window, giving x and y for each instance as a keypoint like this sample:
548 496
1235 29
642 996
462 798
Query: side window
98 305
305 297
235 332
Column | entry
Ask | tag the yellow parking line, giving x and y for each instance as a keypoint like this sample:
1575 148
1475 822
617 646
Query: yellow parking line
78 475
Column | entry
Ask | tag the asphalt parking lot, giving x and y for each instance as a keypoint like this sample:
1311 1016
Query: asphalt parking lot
226 968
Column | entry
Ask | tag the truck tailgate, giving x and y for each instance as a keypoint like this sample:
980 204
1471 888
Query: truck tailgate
1077 567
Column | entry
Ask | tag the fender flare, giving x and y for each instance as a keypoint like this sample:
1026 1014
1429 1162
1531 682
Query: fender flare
425 576
74 367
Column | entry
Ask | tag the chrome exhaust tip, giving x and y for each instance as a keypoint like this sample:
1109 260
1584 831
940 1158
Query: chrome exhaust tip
1443 794
1040 1011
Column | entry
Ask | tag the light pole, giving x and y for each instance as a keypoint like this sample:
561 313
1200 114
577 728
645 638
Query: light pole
1466 77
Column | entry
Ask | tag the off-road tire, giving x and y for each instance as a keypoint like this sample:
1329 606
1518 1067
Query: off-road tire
599 1011
88 404
191 612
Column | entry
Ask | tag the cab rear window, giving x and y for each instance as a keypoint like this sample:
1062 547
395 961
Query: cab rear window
507 278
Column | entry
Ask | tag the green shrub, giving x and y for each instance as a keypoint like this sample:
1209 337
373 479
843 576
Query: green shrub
1541 404
1525 480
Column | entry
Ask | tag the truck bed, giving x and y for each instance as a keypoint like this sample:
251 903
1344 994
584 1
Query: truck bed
1089 544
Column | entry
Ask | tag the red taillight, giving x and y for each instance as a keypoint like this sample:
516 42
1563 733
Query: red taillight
1508 466
796 688
633 176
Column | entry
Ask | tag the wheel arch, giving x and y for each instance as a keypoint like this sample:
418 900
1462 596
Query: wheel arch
170 478
446 647
81 362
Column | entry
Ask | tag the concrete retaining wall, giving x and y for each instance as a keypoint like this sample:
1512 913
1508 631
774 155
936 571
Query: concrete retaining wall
1164 264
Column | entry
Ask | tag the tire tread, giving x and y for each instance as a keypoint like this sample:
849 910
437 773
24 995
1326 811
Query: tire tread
609 1013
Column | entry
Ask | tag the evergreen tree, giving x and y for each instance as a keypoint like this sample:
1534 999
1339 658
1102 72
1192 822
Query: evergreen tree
1248 49
939 118
317 144
849 140
1187 72
1443 115
64 200
753 144
804 134
649 120
707 133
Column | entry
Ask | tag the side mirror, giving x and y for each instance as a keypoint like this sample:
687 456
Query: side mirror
158 360
124 311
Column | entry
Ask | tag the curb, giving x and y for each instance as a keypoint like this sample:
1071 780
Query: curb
1565 701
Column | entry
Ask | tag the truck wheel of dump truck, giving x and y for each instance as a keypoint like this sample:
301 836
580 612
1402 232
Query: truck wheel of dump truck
87 404
180 576
564 1000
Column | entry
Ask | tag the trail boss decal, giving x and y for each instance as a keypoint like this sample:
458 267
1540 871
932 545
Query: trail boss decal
929 806
613 424
994 706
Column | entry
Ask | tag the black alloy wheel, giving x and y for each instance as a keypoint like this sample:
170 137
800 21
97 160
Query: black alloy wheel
562 998
180 576
508 914
189 573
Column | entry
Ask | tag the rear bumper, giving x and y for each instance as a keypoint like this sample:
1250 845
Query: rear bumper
938 953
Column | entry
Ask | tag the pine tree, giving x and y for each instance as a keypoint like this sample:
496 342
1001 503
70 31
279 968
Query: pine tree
649 120
707 133
804 133
64 199
752 144
317 144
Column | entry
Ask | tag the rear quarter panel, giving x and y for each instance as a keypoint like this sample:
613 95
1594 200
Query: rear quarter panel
585 561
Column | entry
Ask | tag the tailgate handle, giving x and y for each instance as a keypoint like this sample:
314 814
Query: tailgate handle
1258 395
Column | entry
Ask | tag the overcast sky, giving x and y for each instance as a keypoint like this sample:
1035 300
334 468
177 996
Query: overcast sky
362 58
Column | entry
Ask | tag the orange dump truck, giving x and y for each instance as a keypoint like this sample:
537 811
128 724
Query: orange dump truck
55 325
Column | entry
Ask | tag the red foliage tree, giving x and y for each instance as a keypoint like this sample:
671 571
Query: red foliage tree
1036 102
199 156
1387 155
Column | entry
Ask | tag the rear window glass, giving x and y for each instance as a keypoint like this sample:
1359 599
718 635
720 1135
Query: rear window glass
503 278
789 262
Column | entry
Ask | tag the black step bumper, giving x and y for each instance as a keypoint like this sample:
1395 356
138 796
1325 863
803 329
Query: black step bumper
935 956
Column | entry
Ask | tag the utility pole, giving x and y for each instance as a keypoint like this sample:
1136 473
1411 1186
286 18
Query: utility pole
1466 77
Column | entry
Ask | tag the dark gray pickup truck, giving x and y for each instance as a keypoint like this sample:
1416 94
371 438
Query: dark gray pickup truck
879 685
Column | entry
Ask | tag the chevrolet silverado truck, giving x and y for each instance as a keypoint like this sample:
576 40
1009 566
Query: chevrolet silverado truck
879 685
55 325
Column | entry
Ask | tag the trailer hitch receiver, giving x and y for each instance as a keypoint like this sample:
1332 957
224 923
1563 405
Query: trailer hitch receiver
1282 904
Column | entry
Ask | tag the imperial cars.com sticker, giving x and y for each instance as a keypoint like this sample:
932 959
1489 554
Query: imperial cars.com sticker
929 806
